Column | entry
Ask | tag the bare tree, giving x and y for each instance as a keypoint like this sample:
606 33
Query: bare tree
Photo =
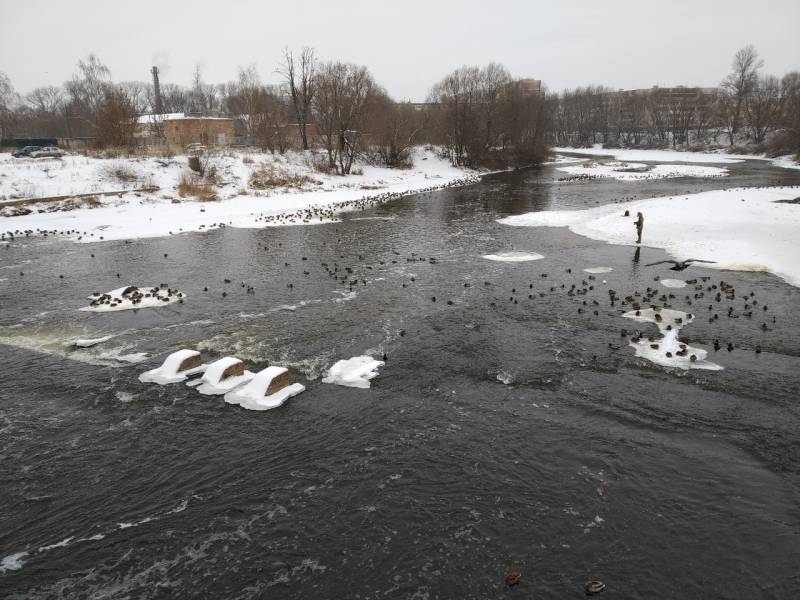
300 78
7 101
116 117
394 129
86 92
343 91
790 118
736 87
763 107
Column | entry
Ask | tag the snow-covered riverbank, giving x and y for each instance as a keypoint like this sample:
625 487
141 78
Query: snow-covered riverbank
318 196
747 229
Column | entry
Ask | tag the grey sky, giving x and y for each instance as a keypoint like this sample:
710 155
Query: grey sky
407 44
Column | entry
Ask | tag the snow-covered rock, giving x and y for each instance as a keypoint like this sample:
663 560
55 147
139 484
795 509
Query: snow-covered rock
175 368
353 372
222 376
253 396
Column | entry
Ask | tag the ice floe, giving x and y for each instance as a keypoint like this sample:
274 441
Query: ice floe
596 270
89 342
513 256
175 368
656 155
745 229
222 376
668 350
625 171
673 283
132 297
353 372
269 389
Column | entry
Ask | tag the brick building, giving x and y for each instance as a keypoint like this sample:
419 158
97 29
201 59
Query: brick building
180 129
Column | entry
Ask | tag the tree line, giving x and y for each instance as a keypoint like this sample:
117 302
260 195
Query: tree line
477 116
747 108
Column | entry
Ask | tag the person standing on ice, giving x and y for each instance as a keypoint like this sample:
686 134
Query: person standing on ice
639 227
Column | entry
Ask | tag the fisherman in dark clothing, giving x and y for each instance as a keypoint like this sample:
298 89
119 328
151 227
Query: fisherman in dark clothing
639 227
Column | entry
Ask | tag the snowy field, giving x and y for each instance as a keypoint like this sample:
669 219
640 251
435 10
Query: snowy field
747 229
164 212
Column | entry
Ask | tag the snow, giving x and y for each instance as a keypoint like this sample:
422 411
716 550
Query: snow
253 395
785 162
597 270
513 256
625 171
158 118
656 155
168 371
668 351
118 299
743 229
673 283
212 383
88 343
164 212
353 372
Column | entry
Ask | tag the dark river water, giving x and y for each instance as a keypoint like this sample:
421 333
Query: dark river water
505 433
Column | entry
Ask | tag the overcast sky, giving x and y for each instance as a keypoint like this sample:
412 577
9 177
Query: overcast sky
407 44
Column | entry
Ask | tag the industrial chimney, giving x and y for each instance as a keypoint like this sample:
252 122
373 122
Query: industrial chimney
159 107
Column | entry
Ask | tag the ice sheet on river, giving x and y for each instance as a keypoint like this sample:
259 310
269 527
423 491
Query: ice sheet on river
626 171
132 297
668 350
354 372
743 229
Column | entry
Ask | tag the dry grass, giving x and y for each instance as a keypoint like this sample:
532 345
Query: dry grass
197 188
267 176
121 172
